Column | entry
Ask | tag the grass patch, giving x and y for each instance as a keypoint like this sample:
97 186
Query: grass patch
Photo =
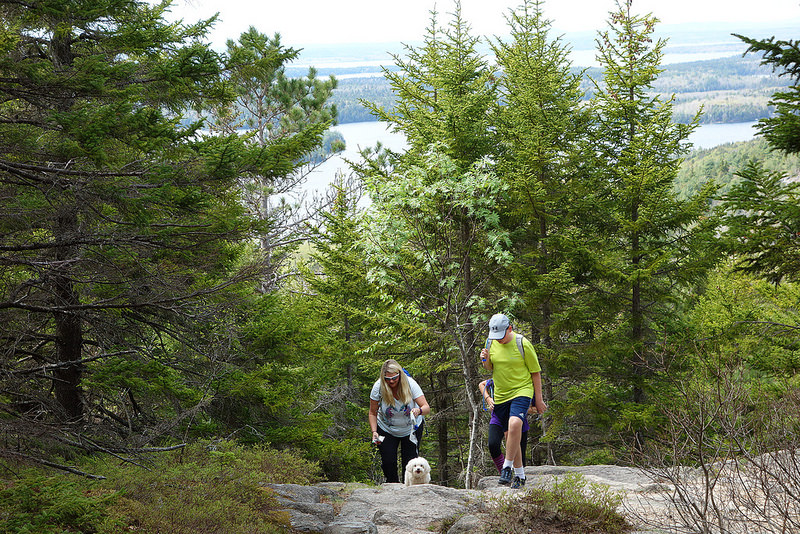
570 505
444 525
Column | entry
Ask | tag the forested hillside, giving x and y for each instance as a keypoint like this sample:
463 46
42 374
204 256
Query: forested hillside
163 293
733 89
722 163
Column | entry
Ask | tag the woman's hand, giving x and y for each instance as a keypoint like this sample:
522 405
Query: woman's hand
422 407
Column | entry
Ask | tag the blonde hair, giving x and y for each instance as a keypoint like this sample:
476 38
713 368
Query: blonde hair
391 367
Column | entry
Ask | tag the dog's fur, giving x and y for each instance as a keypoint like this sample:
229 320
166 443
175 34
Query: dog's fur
418 471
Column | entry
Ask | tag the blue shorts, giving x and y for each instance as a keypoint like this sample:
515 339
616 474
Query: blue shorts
516 407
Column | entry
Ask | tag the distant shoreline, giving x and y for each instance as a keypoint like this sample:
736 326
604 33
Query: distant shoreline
368 68
679 36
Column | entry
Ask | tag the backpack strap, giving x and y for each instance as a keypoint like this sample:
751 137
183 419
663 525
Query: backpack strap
517 337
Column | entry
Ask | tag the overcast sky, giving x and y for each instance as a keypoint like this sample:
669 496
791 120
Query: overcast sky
305 22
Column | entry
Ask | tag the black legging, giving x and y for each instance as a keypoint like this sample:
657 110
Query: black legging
496 442
388 448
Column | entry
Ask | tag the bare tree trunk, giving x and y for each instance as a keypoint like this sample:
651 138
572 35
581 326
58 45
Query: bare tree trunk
442 433
471 379
68 330
67 379
546 339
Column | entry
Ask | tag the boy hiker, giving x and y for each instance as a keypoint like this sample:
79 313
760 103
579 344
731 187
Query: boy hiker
517 379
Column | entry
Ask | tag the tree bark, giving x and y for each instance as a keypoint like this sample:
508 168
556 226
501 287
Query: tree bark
442 432
469 360
68 333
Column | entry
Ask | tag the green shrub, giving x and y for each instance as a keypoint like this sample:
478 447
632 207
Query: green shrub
568 506
209 487
348 460
38 504
604 456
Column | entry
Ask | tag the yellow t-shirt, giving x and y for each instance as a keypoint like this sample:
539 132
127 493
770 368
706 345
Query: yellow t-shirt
510 371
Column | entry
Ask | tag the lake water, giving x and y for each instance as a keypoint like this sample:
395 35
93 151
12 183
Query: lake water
360 135
711 135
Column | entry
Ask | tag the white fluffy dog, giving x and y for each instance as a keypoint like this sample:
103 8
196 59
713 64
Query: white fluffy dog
418 471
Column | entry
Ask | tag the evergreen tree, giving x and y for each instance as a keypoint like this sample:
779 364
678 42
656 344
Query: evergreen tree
280 114
782 130
543 129
432 234
337 275
761 212
444 94
352 323
655 245
762 217
122 230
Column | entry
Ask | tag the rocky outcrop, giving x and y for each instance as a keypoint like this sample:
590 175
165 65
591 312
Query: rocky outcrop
307 511
395 509
338 508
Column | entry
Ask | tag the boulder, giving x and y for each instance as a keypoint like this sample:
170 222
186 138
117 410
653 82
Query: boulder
397 509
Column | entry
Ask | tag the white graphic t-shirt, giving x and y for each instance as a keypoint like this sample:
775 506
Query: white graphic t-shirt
396 419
